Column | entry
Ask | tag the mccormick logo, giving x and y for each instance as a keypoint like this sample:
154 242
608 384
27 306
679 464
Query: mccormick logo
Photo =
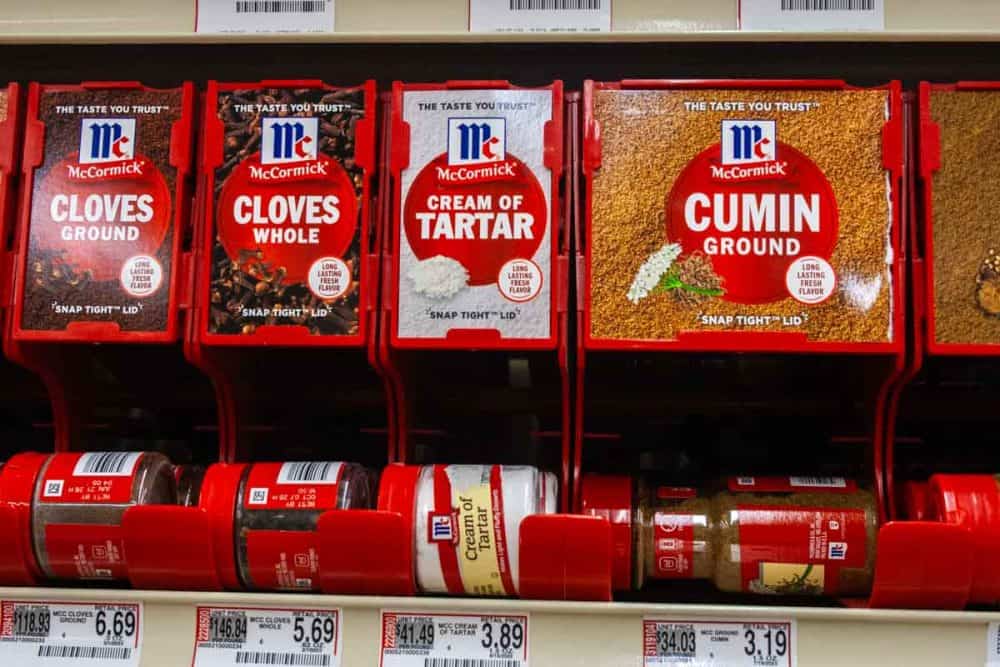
289 140
748 141
476 140
441 528
107 140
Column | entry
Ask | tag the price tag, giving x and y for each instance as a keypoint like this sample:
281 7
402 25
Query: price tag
453 640
993 645
812 15
540 15
255 636
264 16
721 643
49 633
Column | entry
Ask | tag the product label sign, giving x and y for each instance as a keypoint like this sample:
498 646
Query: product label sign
264 15
752 222
475 235
668 642
258 636
453 640
47 633
812 15
287 211
101 230
540 15
993 644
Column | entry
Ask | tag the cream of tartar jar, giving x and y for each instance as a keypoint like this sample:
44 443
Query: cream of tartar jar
466 522
78 503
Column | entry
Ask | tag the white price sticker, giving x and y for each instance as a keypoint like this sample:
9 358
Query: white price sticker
540 15
993 645
257 636
264 16
812 15
453 640
50 633
718 643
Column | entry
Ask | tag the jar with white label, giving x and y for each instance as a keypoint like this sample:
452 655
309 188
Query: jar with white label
77 508
277 509
466 522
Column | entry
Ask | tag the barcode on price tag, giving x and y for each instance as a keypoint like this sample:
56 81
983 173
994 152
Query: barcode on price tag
993 645
49 633
260 636
453 640
264 16
668 642
812 15
540 15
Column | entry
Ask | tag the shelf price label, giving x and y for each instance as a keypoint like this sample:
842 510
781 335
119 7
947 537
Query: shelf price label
668 642
812 15
260 16
453 640
539 15
258 636
47 633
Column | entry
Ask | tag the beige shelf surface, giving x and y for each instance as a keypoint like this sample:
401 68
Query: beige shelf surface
571 634
447 20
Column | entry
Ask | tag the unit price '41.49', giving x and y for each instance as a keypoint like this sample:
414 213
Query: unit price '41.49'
453 640
718 643
245 636
46 633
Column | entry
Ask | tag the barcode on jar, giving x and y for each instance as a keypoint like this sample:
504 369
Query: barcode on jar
280 7
317 472
106 464
828 5
824 482
273 658
576 5
470 662
85 652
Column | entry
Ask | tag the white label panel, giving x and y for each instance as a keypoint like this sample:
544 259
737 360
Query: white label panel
58 633
453 640
264 16
540 15
668 642
256 636
812 15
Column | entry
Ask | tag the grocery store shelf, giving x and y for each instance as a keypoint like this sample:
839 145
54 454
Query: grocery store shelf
102 21
574 633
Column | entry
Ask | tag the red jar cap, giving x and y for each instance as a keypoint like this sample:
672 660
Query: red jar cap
397 492
610 497
17 487
218 498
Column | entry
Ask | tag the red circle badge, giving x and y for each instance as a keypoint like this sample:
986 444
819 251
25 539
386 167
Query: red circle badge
292 213
481 221
753 219
100 215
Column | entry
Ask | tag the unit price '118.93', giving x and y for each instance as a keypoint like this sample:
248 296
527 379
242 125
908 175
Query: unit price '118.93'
722 643
47 633
453 640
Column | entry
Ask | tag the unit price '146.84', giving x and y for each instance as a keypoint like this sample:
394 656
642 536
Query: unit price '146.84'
45 633
453 640
244 636
722 643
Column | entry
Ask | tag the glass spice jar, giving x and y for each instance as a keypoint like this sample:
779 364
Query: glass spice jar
77 508
765 535
277 509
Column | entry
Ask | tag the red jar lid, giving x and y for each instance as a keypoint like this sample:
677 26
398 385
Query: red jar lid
397 492
218 498
610 497
17 486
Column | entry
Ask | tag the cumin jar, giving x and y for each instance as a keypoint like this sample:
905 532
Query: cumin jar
267 514
77 507
465 522
764 535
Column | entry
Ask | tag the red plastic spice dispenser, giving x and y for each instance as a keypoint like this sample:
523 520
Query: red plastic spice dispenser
263 518
464 522
105 193
476 200
65 512
10 105
287 169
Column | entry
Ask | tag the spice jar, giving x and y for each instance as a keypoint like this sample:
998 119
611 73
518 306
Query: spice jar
769 535
77 507
466 521
189 480
277 507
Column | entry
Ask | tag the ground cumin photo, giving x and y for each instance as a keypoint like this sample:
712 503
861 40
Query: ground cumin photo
740 210
965 234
